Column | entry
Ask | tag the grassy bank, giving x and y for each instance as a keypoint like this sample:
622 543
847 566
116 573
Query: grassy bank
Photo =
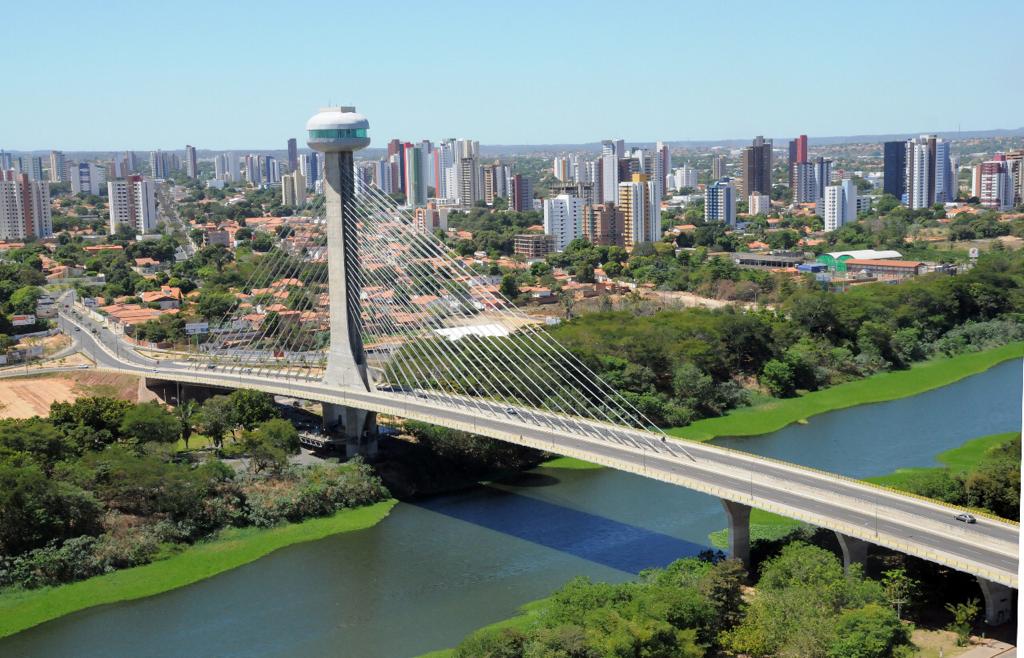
231 548
570 463
776 414
962 458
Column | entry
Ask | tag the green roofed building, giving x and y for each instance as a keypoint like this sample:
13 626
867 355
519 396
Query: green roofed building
836 260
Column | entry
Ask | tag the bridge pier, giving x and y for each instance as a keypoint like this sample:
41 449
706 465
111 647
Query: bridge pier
739 530
358 426
998 602
855 551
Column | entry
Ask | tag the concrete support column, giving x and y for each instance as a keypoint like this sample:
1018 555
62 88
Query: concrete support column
998 602
739 530
358 427
855 551
360 433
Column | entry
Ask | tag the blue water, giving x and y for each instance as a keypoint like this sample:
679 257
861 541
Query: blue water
436 570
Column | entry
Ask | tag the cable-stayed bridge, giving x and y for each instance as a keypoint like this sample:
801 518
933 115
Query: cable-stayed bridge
367 312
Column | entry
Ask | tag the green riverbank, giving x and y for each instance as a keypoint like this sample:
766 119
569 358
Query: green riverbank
921 377
21 609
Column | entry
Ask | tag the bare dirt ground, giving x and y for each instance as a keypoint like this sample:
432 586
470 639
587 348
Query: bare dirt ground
24 397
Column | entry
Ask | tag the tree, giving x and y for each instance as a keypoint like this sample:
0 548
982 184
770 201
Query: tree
779 378
35 509
568 300
269 445
900 589
23 300
964 615
150 422
509 287
186 413
216 418
250 408
868 632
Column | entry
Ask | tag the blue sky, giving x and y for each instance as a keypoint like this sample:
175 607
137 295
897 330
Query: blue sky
220 74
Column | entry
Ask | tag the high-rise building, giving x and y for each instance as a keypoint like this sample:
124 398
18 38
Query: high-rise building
6 160
158 165
1015 164
382 176
563 218
86 177
58 167
470 185
415 175
430 218
720 202
822 177
522 194
929 172
684 177
561 168
602 225
717 167
293 190
756 167
33 166
894 168
805 185
219 167
191 163
994 184
293 155
24 207
133 204
497 181
759 204
665 160
609 170
641 211
309 165
797 155
232 170
840 205
946 186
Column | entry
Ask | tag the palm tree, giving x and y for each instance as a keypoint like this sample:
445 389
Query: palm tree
184 412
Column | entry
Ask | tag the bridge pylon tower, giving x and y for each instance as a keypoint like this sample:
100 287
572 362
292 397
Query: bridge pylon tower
337 132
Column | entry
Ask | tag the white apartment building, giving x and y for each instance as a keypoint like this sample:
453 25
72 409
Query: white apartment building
563 218
132 203
24 207
759 204
86 177
58 167
839 205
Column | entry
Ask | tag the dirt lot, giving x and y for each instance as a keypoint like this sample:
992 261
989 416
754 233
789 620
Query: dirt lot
24 397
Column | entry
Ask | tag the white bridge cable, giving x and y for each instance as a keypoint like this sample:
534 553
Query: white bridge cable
613 398
434 344
282 266
438 348
258 273
519 345
573 364
486 344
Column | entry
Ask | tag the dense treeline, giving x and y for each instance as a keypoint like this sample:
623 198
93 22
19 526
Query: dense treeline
99 485
677 366
804 606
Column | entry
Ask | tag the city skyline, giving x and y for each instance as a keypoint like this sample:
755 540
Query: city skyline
158 109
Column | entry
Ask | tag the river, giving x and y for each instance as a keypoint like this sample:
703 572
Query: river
435 570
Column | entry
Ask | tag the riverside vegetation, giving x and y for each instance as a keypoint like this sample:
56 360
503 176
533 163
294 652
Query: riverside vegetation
804 605
98 486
